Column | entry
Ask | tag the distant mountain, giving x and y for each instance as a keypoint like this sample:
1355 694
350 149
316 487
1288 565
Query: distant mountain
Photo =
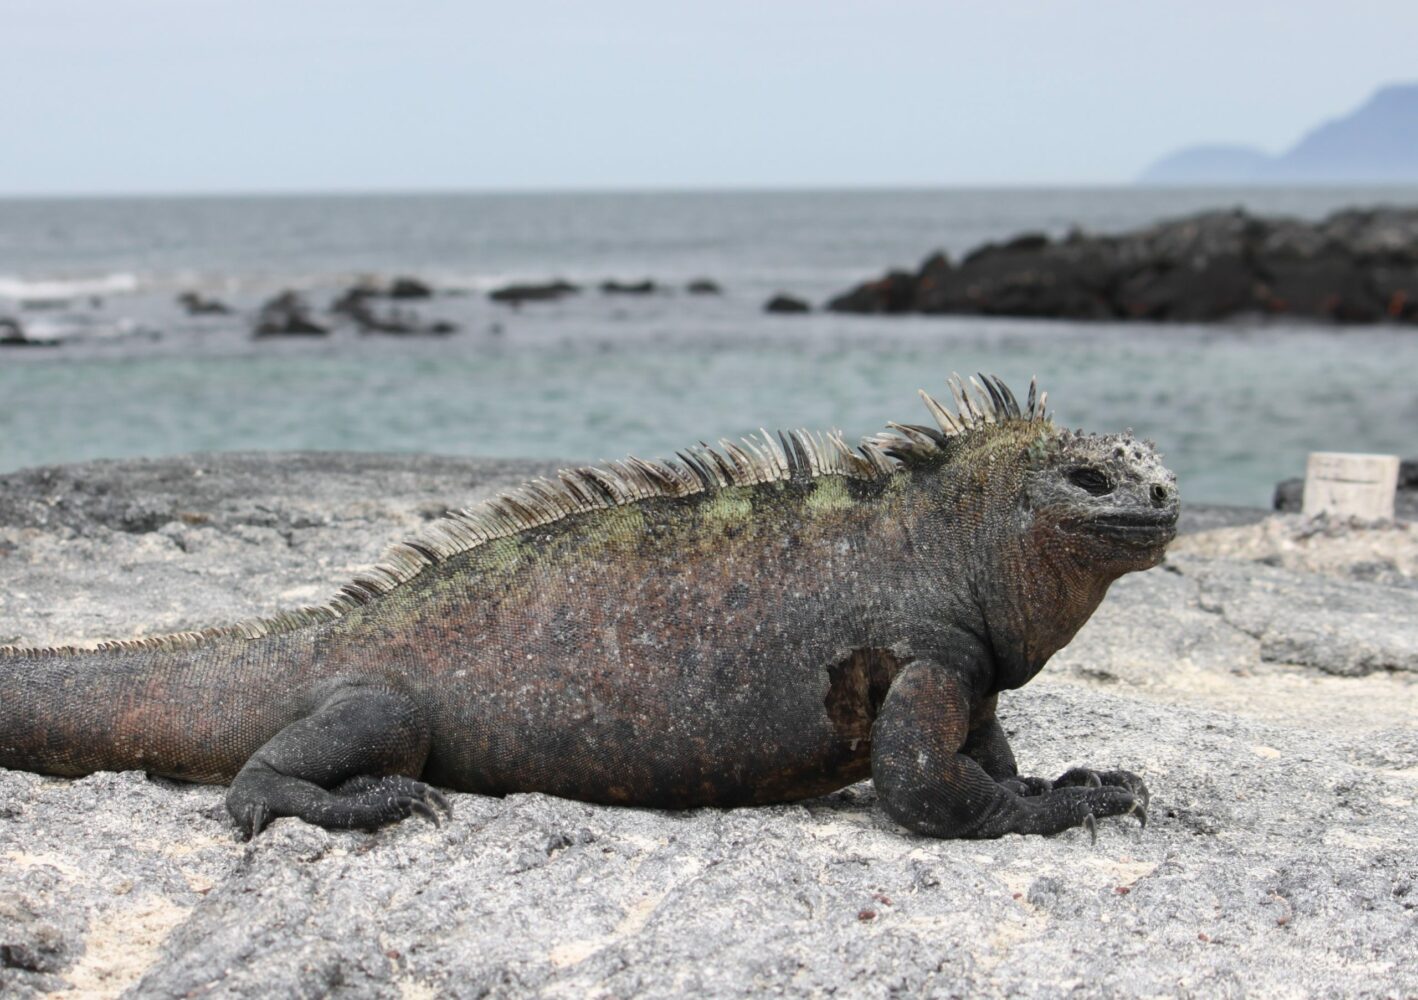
1207 165
1378 143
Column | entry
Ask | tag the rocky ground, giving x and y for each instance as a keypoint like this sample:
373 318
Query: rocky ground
1264 680
1357 266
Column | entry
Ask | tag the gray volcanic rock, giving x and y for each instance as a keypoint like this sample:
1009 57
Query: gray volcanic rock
1357 266
1339 626
1279 858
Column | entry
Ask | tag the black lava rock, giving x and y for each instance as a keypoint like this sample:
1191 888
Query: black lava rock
1357 266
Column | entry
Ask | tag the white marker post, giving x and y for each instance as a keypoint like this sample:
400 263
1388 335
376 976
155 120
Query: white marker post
1344 485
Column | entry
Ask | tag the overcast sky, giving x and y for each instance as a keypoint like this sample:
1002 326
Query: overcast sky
313 95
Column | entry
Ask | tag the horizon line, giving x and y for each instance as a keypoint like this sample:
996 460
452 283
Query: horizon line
685 189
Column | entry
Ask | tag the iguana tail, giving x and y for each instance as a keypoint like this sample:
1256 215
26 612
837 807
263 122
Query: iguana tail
184 709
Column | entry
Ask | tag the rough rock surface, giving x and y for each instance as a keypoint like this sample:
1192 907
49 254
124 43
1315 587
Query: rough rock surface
1357 266
1280 858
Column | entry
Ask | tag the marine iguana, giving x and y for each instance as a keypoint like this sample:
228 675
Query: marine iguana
761 622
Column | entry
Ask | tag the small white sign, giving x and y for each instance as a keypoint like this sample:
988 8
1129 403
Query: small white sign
1344 485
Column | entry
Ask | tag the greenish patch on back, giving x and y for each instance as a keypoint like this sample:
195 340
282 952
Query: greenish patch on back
504 553
727 507
829 495
618 525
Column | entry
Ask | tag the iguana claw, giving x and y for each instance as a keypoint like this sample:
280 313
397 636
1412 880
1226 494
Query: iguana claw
439 799
256 821
418 807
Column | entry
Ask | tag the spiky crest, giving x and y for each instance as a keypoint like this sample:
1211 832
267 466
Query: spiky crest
990 403
795 455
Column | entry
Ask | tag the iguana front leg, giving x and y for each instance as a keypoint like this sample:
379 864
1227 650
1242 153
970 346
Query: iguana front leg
938 777
347 764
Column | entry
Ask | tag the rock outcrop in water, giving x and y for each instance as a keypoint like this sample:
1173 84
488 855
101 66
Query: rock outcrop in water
358 305
408 288
613 287
1357 266
12 334
786 304
288 315
197 304
546 291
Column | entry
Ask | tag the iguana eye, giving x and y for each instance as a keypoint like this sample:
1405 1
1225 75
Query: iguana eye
1092 480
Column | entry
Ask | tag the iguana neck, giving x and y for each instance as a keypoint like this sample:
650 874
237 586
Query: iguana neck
1040 600
972 541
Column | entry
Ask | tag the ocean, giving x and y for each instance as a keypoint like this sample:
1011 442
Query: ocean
1234 407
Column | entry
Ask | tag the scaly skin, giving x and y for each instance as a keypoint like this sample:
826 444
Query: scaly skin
742 643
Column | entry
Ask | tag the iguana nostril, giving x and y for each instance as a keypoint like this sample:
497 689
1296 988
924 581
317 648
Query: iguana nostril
1160 495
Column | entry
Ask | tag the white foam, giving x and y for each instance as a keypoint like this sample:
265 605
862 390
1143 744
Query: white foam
29 289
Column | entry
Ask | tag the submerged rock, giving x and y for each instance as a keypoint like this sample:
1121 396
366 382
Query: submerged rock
1357 266
704 286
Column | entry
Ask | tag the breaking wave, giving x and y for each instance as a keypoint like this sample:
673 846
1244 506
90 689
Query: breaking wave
29 289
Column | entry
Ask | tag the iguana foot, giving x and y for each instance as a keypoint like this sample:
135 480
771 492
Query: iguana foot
1088 778
1078 777
928 785
1079 797
344 766
1101 802
361 803
1025 787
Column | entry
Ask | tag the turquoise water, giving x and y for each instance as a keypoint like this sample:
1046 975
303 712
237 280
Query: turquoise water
1234 407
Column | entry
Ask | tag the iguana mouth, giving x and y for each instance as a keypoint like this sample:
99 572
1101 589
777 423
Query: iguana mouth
1137 527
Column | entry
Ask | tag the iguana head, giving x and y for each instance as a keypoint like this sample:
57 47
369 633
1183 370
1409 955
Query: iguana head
1086 505
1104 501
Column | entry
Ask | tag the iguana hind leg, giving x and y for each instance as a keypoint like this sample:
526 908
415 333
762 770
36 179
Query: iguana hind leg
931 775
347 764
